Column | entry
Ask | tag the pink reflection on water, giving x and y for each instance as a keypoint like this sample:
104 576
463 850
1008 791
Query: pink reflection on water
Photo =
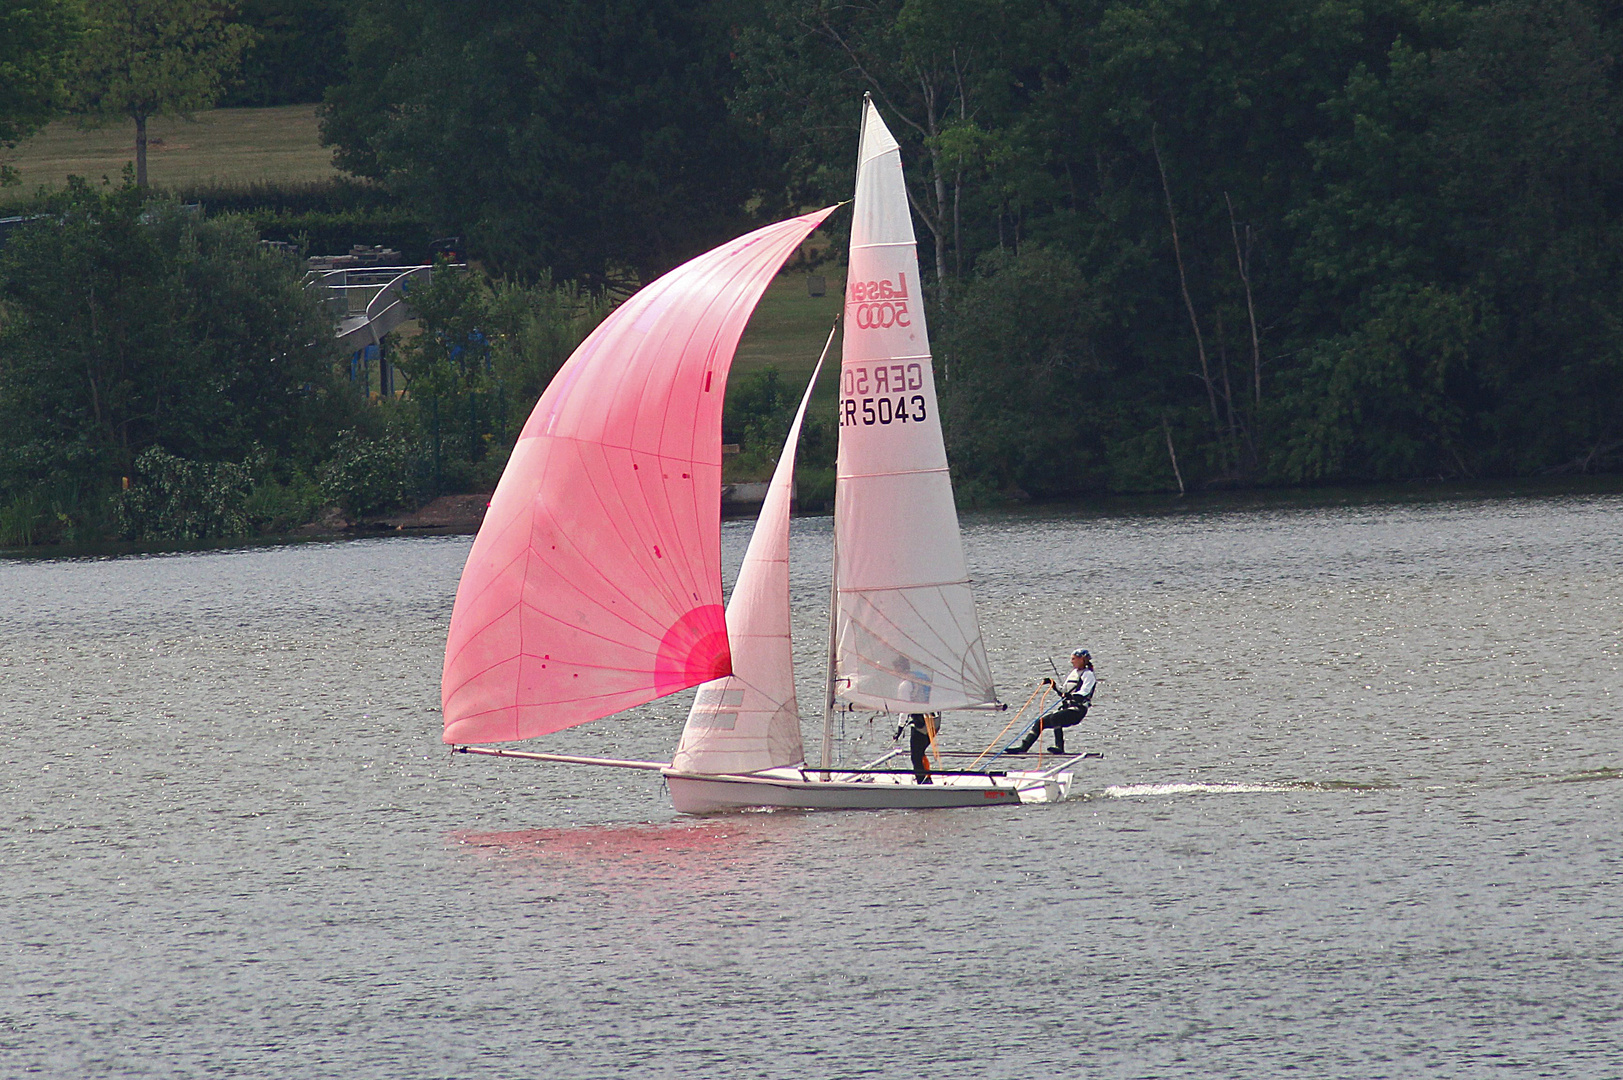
608 843
677 854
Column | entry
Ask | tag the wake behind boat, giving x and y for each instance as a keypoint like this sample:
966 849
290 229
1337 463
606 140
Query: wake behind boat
594 584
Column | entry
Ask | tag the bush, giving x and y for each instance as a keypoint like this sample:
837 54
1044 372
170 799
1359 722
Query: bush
175 499
367 475
24 520
276 505
487 350
127 323
1021 410
756 417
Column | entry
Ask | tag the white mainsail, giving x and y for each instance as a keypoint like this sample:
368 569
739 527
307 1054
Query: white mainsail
905 634
750 720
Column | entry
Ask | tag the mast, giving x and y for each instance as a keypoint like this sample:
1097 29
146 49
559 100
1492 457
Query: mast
833 612
834 557
749 720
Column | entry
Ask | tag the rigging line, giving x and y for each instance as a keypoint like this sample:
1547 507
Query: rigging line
1012 722
833 645
972 643
896 632
935 750
946 670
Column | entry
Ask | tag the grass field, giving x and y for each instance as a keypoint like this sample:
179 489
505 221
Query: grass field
788 331
228 146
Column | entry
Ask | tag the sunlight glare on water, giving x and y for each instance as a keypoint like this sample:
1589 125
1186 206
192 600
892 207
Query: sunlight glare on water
1358 814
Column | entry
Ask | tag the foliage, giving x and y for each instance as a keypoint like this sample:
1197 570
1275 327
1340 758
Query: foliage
935 67
145 58
759 408
323 218
1284 240
297 50
756 418
128 322
36 40
1019 376
175 499
367 475
487 349
589 139
283 497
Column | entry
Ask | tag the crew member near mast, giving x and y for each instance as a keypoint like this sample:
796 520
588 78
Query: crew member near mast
1075 695
922 728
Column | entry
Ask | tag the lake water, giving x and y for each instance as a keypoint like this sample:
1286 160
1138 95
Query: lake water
1359 815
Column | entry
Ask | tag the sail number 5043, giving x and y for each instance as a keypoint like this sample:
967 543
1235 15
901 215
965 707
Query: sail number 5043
881 395
899 410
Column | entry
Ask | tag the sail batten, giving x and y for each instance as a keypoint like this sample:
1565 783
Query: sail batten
606 522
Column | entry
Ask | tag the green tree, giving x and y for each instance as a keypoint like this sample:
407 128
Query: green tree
1480 176
1024 408
946 74
592 139
127 322
486 351
35 44
297 50
146 58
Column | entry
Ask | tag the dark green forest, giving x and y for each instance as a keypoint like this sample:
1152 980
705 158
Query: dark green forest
1169 244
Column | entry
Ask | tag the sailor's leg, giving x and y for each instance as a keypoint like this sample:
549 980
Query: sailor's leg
1031 736
1062 720
919 745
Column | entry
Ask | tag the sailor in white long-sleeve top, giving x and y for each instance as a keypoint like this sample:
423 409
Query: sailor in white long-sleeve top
1075 695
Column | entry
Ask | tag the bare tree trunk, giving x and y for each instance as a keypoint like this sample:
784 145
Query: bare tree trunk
1250 308
1173 454
1183 283
938 226
1228 393
958 225
140 150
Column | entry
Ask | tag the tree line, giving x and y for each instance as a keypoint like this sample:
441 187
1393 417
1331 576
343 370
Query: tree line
1169 244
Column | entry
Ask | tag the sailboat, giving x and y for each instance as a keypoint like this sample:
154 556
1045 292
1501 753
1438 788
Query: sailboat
594 584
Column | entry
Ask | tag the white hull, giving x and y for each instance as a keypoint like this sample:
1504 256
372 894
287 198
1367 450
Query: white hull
805 789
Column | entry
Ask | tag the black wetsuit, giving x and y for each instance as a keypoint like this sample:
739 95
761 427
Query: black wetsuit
919 745
1072 710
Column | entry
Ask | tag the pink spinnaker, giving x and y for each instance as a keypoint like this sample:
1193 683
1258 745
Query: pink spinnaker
595 582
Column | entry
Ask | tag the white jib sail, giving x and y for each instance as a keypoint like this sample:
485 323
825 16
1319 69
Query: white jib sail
750 720
906 636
